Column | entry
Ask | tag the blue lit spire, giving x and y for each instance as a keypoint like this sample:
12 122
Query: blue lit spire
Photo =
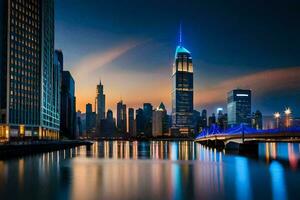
180 48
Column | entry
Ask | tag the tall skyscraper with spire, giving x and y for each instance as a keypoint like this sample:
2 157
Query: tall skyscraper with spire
182 91
100 99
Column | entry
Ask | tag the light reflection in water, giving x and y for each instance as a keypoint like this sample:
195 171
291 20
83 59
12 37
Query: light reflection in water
149 170
242 183
278 181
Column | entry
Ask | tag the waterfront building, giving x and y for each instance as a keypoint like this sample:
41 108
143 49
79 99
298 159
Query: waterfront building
107 125
121 117
68 106
100 99
90 120
157 122
29 92
182 92
148 108
131 122
140 121
196 121
204 118
239 107
257 120
212 120
79 128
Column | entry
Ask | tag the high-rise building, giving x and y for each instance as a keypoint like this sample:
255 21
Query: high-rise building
182 93
89 119
121 117
131 122
100 103
140 121
79 128
68 106
29 92
107 125
204 119
148 108
257 120
212 120
239 107
157 122
196 121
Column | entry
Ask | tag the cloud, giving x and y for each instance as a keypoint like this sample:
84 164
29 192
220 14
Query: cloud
260 83
92 63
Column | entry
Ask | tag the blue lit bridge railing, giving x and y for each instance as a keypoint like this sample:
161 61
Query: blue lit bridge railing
243 129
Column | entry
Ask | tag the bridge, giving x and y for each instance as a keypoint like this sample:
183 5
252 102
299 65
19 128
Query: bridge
244 136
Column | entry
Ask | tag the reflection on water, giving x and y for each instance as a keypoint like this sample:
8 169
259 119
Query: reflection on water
152 170
289 152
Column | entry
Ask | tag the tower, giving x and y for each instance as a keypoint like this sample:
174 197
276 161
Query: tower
29 78
182 91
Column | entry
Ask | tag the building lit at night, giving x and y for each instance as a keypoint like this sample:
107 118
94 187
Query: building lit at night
29 85
183 92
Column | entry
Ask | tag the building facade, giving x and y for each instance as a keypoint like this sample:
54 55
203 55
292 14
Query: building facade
157 122
29 83
131 128
148 108
100 99
121 117
183 92
239 107
68 106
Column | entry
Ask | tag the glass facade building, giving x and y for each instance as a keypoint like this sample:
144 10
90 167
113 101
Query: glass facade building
183 92
239 107
29 88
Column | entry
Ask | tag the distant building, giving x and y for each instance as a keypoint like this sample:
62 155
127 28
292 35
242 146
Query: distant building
182 92
90 121
157 122
131 122
68 106
197 120
239 107
79 128
257 120
222 119
121 117
212 120
204 119
100 99
148 108
108 126
29 79
140 121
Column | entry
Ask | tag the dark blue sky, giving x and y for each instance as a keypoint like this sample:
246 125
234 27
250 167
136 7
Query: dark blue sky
228 39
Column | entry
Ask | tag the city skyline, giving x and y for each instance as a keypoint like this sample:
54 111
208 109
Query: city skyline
228 52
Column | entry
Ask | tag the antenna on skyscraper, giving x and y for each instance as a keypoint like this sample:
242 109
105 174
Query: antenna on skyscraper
180 33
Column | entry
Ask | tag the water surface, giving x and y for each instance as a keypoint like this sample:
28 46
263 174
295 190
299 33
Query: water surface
153 170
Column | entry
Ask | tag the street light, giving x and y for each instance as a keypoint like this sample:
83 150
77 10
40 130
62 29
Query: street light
288 113
277 117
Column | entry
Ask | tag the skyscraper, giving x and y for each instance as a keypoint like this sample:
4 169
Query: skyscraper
157 122
131 121
100 103
90 120
148 108
140 121
29 78
121 117
68 106
182 93
239 107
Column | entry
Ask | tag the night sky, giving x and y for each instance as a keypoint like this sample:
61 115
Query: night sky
130 46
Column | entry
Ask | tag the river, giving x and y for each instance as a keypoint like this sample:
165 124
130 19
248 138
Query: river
153 170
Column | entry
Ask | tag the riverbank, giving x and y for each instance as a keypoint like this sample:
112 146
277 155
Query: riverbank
21 149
